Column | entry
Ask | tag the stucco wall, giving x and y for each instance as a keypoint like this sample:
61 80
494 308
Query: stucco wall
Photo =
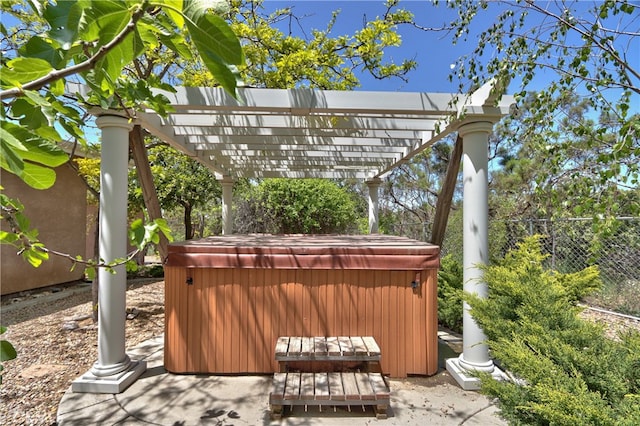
60 215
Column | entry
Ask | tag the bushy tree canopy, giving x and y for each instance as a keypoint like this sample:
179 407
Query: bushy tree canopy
298 206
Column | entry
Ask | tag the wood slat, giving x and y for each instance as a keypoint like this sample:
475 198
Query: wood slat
380 388
333 346
320 347
358 346
350 386
282 346
307 346
364 386
372 345
295 346
336 390
322 386
346 348
279 382
292 388
307 386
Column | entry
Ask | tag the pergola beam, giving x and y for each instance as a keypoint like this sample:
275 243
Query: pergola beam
303 101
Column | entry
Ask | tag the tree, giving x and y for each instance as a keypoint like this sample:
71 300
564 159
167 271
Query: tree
584 49
92 41
532 182
182 182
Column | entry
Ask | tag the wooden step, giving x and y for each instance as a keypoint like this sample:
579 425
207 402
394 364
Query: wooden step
328 389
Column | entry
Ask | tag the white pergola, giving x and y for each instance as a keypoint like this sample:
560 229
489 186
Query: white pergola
295 133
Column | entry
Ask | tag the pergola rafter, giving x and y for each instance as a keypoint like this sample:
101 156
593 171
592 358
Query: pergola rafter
302 132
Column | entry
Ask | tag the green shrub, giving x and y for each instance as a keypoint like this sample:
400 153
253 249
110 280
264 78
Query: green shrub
450 284
298 206
569 372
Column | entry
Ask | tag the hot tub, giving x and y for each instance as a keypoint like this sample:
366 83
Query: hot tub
229 298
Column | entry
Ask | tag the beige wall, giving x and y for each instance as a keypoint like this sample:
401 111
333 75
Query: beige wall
60 215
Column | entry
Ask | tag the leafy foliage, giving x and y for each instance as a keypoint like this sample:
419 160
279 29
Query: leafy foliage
92 42
320 59
291 206
567 48
20 234
566 371
450 291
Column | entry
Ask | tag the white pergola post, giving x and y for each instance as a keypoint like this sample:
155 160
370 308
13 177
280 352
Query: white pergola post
373 185
475 354
227 205
114 371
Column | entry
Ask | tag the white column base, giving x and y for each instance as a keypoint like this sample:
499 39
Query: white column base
467 381
117 383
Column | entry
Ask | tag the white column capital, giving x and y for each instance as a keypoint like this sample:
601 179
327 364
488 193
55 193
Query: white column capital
227 180
109 120
475 127
373 182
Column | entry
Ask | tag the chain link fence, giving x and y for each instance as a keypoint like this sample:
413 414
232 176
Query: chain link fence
571 245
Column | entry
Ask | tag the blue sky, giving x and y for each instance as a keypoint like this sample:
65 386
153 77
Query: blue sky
433 51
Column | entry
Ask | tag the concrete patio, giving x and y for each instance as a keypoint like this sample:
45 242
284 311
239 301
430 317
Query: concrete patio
161 398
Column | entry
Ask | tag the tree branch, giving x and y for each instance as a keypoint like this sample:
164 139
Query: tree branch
82 66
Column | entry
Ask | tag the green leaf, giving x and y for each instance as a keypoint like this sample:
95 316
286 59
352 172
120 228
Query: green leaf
23 70
8 135
163 226
7 351
63 18
8 237
38 177
37 47
217 44
172 11
9 160
104 20
29 115
45 153
137 233
32 147
34 255
90 272
57 87
36 98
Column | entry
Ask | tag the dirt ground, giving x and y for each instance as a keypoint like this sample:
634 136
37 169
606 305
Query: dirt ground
56 342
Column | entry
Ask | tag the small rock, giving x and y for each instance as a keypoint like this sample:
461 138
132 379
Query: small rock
71 325
132 313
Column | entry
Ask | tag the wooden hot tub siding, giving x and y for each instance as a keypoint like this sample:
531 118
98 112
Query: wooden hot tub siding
228 319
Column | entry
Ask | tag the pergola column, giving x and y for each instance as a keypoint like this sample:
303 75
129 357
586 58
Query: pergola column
373 185
475 354
227 205
114 371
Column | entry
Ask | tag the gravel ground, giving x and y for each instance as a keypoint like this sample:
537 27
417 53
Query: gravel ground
57 342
